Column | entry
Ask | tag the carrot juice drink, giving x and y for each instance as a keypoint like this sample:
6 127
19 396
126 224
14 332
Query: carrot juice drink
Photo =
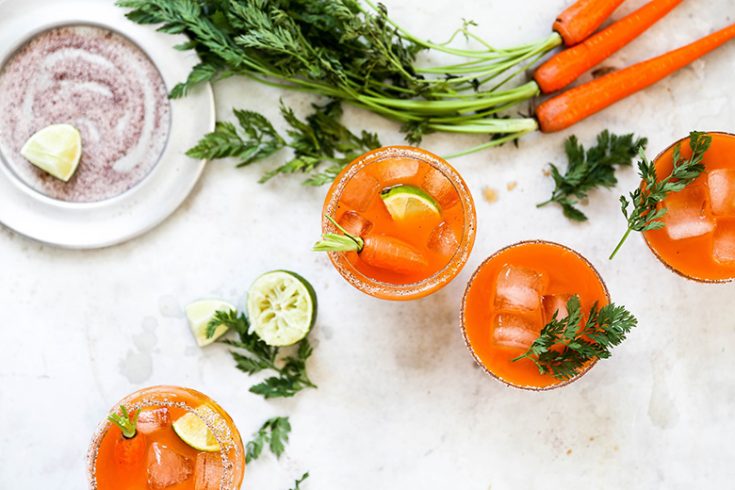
526 292
167 437
399 223
698 237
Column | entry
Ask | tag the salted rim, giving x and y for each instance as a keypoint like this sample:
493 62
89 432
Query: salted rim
227 435
655 252
440 278
463 326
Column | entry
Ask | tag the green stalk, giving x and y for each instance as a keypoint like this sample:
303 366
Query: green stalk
485 146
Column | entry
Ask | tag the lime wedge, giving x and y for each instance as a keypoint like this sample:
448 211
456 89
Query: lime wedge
55 149
192 430
199 313
281 307
405 201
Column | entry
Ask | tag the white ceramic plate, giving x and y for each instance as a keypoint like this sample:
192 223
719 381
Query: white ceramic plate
156 196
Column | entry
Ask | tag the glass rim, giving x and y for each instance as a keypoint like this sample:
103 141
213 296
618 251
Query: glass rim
438 279
226 433
645 233
463 322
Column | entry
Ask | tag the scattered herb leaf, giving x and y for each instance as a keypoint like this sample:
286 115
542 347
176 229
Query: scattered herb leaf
297 483
253 356
647 199
565 345
274 434
587 170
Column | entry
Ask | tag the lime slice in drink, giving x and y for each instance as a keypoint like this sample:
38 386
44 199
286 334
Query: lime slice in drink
405 201
199 313
192 430
281 307
55 149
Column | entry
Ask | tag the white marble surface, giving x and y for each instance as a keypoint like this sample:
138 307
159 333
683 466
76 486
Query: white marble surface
400 403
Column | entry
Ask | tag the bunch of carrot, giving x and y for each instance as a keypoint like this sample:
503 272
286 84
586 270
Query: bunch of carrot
576 24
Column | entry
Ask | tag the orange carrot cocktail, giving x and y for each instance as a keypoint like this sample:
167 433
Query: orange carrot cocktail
513 295
698 237
399 223
167 437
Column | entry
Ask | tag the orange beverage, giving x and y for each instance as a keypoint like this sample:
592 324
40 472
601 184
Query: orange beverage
510 298
413 215
698 240
169 421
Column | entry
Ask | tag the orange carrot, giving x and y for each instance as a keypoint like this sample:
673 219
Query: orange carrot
128 452
566 66
580 20
572 106
391 254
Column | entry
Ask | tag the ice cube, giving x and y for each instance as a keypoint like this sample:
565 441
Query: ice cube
360 191
721 184
723 244
208 471
166 467
555 303
443 239
514 331
688 213
151 420
395 170
440 188
518 288
354 223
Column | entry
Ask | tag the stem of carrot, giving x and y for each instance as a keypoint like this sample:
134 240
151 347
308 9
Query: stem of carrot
333 242
620 243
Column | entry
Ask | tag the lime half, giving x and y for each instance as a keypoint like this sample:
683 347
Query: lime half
192 430
199 314
405 201
281 307
55 149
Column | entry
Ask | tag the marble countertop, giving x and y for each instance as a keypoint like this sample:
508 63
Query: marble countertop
400 403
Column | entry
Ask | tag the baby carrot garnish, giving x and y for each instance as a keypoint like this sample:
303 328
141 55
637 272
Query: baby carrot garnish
580 20
130 447
580 102
566 66
380 251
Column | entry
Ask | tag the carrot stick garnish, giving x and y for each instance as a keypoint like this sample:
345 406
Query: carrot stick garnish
580 102
566 66
583 18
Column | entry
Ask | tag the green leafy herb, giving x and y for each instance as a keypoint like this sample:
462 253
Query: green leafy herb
127 425
253 356
565 345
297 483
587 170
321 138
274 434
647 200
351 50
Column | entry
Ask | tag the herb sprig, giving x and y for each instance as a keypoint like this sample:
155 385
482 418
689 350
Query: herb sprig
253 356
647 200
565 345
298 482
587 170
274 434
318 139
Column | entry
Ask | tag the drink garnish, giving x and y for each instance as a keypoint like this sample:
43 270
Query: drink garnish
566 345
273 433
125 422
404 201
590 169
194 431
647 199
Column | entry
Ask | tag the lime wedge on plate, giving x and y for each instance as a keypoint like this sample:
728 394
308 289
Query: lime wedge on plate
55 149
192 430
199 313
405 201
281 307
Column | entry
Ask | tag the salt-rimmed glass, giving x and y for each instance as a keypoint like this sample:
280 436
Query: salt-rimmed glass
434 282
191 401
